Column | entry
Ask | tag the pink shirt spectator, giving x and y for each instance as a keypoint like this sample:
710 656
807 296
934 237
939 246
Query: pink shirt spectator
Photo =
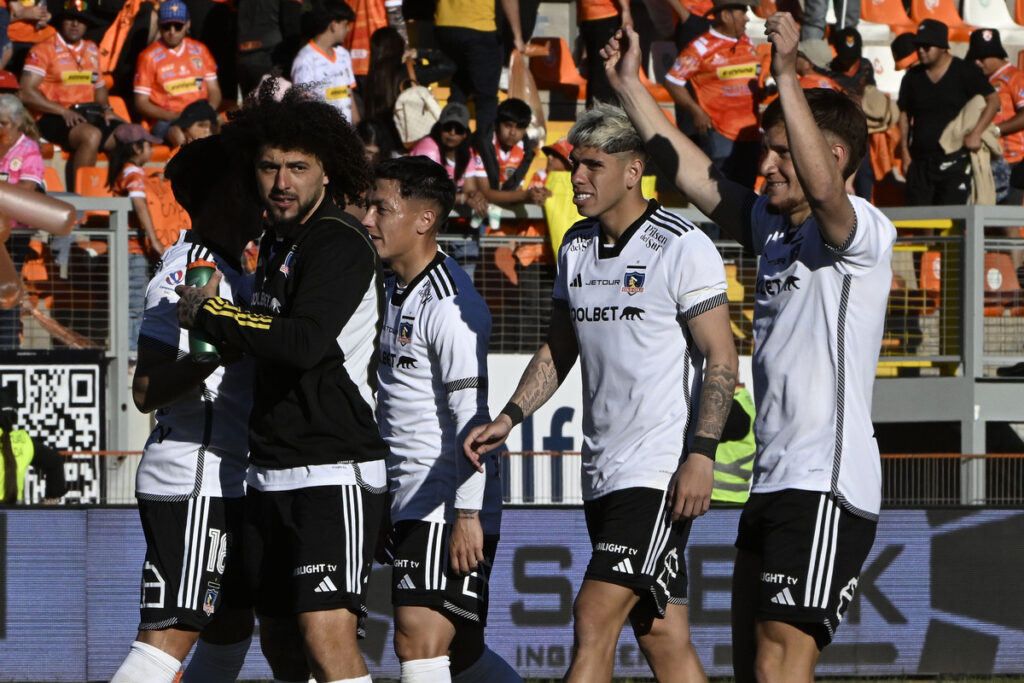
23 161
427 147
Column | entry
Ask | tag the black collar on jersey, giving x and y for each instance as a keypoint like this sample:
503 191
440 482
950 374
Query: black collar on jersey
613 250
268 243
399 297
190 237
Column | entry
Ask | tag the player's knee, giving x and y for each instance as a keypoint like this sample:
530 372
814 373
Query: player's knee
412 643
593 624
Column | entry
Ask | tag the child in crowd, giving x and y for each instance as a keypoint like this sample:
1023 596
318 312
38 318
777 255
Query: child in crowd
125 178
323 65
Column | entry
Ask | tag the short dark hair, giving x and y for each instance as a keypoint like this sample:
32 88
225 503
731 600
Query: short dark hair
323 12
420 177
298 122
834 113
515 111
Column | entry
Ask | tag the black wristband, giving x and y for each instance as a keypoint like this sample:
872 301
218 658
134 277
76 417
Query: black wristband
514 412
704 445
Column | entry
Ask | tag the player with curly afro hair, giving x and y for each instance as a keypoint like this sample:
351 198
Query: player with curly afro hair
317 483
295 121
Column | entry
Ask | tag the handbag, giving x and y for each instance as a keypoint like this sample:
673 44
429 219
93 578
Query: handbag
416 110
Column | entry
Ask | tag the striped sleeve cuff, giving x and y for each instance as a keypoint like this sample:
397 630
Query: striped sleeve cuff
706 305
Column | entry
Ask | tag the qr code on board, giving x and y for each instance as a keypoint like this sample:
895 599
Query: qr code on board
60 405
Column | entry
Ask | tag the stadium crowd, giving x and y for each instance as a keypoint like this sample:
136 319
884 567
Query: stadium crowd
331 425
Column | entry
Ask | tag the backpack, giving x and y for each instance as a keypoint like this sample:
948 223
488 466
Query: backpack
416 110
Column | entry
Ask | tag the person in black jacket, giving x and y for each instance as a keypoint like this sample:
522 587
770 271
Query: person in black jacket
317 480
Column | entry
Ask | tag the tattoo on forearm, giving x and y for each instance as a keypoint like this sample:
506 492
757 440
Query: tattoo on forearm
538 384
715 400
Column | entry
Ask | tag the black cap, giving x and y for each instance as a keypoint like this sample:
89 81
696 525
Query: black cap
904 52
848 43
73 9
197 111
984 43
932 32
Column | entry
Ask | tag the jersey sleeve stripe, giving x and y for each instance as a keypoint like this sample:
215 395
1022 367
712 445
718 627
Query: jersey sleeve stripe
220 307
667 219
707 305
465 383
449 278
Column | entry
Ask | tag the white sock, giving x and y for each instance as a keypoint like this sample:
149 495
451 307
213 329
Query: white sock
216 663
434 670
361 679
146 664
489 668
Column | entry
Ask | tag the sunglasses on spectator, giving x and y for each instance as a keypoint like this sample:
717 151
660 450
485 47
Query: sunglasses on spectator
173 26
456 128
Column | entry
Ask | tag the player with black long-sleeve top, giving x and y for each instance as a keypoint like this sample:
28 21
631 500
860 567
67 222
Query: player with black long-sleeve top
317 480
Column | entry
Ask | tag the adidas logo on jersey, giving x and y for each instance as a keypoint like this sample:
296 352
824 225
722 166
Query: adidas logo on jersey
326 586
406 583
625 566
784 597
577 281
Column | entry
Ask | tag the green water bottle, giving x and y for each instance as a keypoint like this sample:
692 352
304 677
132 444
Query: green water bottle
197 274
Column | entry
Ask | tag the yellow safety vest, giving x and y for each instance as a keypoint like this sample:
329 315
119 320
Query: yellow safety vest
734 460
24 451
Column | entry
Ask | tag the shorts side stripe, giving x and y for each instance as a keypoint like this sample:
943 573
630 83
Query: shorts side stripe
819 557
659 537
197 556
442 556
429 559
831 557
809 582
185 556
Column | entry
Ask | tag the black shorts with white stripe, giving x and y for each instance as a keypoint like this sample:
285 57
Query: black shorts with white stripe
637 545
192 564
422 574
812 550
310 549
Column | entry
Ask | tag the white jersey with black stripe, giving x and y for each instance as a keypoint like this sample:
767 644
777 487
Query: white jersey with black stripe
200 445
433 389
630 303
818 320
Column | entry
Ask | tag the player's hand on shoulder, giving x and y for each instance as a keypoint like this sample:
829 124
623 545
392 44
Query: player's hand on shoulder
690 488
482 439
466 546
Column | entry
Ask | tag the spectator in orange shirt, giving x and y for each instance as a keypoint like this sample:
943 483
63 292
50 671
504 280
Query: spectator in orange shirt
126 178
28 24
986 50
722 68
172 73
61 84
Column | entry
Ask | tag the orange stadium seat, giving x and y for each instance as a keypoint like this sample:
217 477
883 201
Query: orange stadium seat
944 11
120 107
557 70
888 12
91 181
52 180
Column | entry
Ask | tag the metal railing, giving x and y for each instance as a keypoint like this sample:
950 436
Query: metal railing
553 478
950 322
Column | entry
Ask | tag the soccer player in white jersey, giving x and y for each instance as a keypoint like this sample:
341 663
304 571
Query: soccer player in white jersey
190 483
446 517
640 299
822 285
323 66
